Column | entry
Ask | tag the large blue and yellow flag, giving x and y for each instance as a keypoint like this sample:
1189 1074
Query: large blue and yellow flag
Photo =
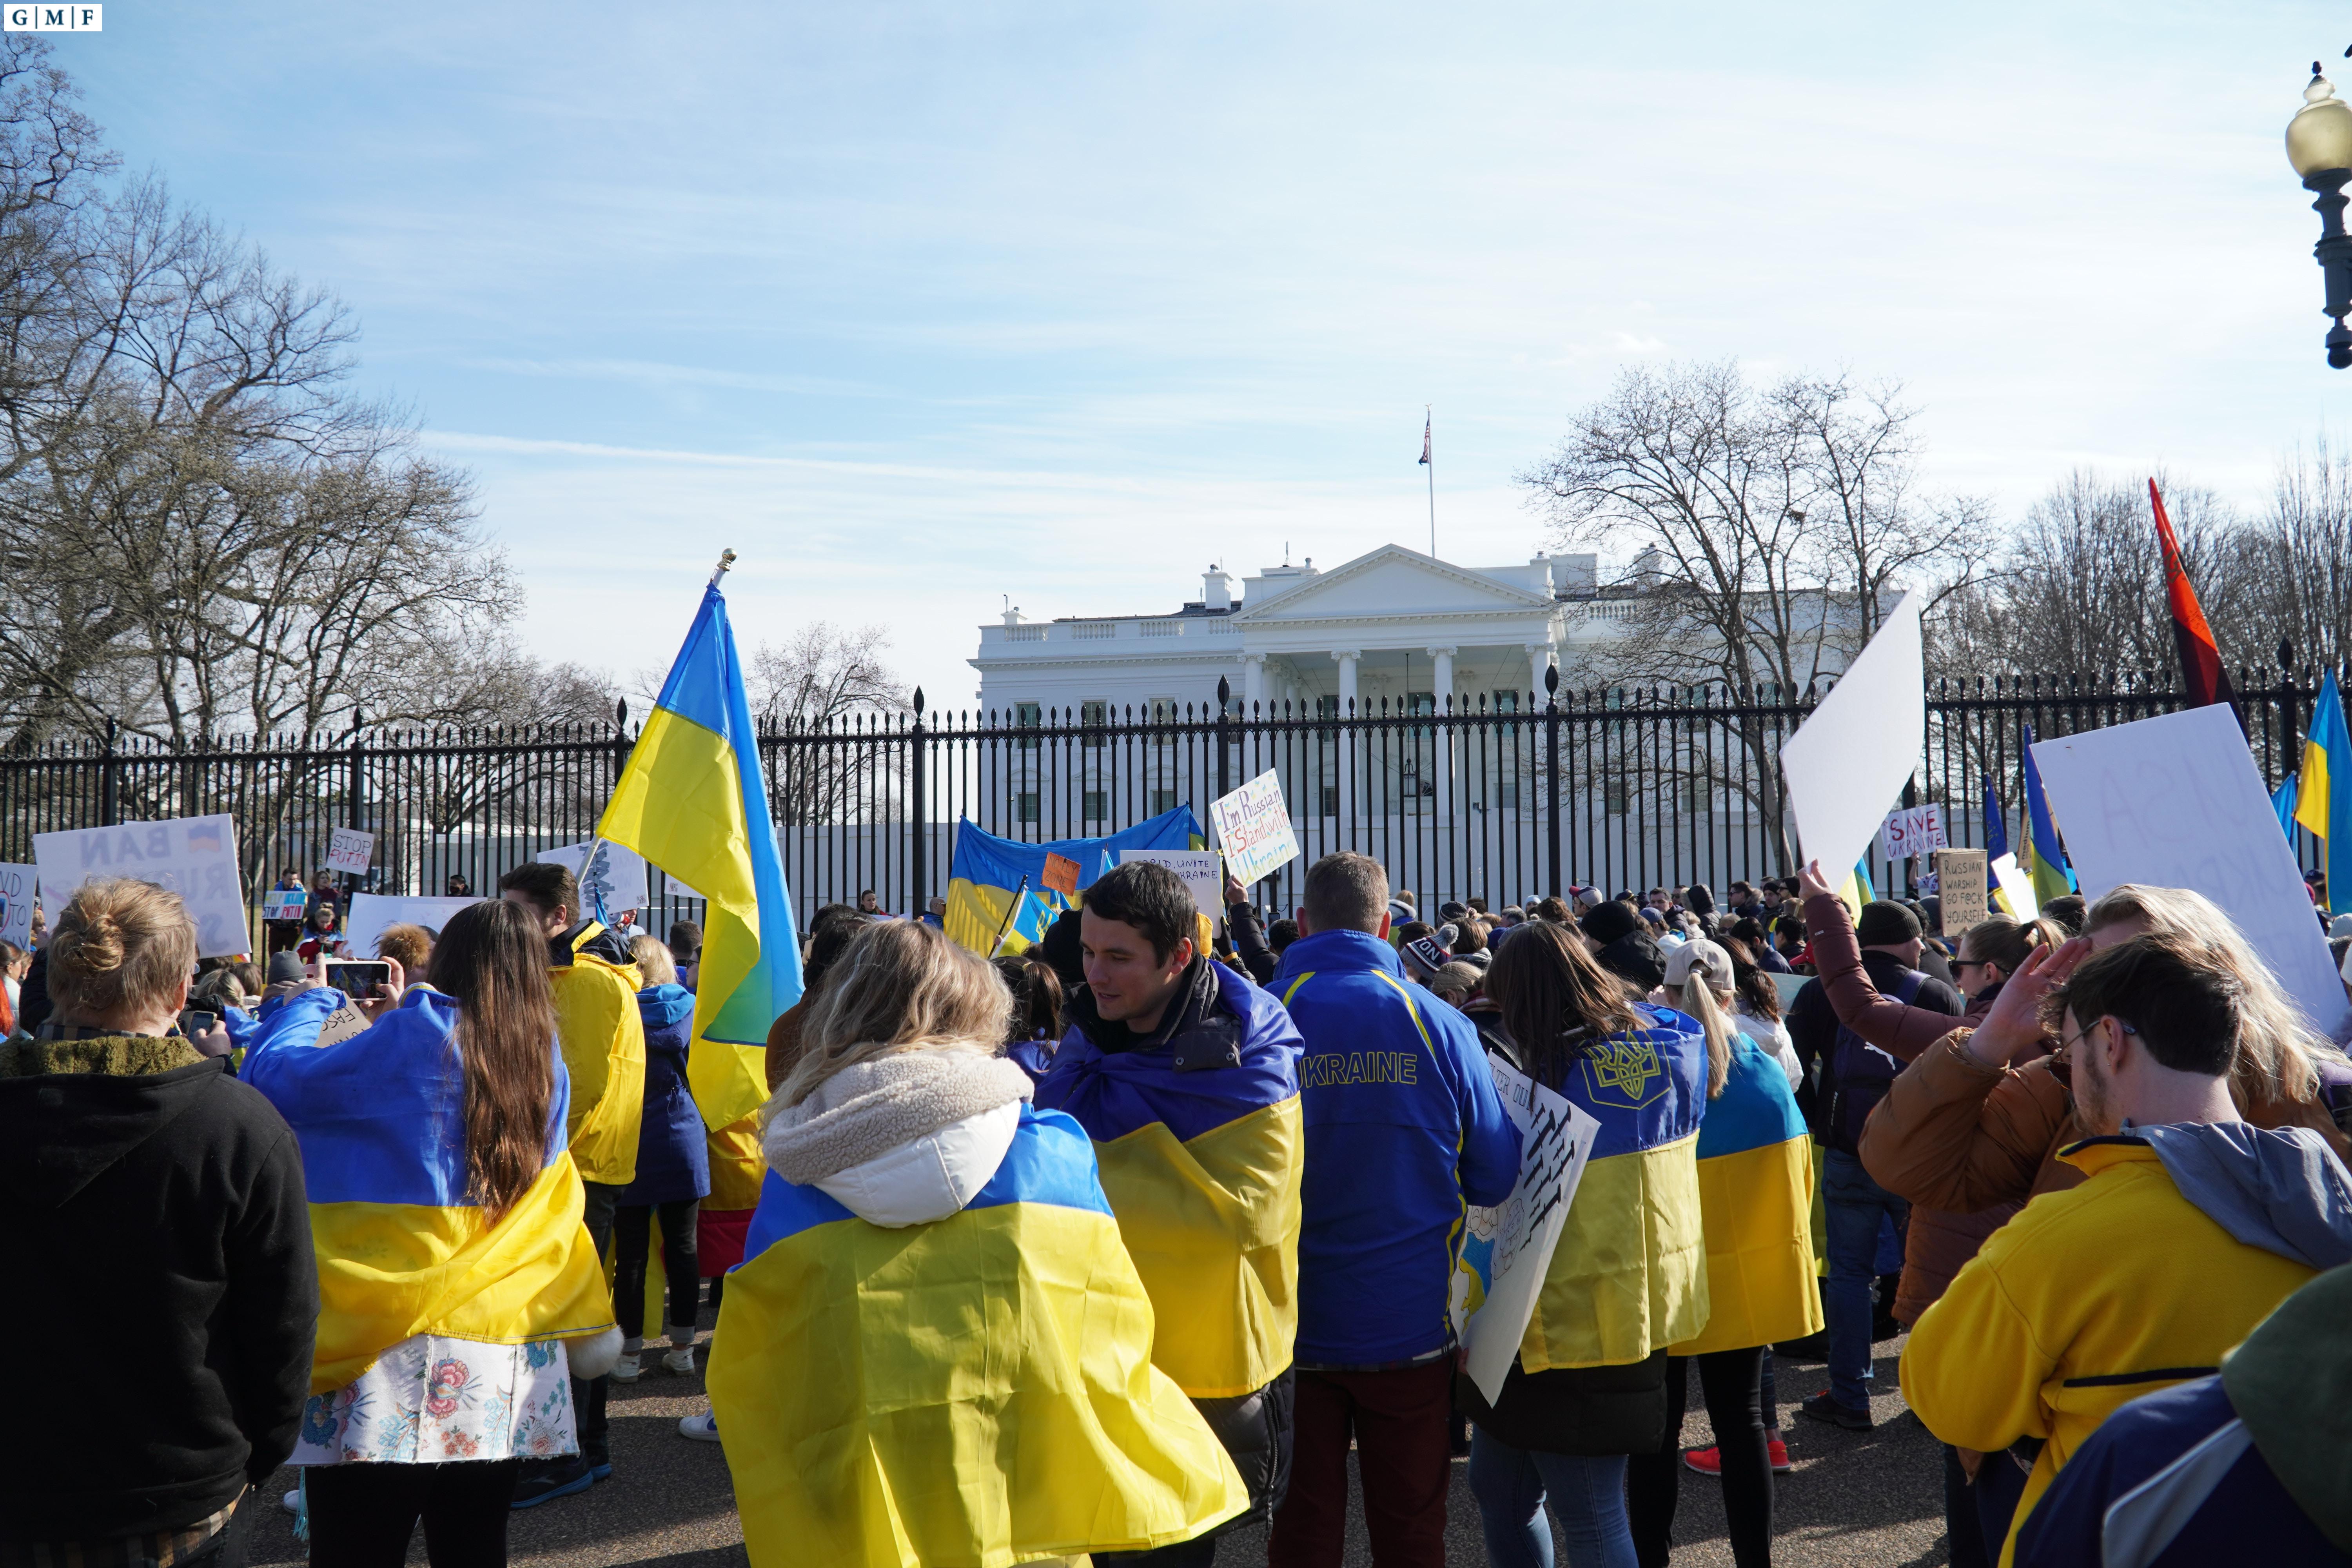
1629 1274
2039 853
693 801
1754 1187
978 1390
1202 1169
2324 790
402 1250
989 870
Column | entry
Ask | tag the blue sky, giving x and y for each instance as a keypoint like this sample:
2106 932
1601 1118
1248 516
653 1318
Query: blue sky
917 306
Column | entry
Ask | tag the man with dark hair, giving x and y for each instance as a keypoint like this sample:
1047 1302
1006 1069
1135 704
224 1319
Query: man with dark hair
1403 1128
2191 1226
1845 1077
1185 1075
595 978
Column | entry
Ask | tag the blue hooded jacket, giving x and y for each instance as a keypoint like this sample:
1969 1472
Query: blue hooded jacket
673 1154
1403 1130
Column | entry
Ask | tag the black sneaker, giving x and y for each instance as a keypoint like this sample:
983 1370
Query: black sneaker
1821 1407
544 1480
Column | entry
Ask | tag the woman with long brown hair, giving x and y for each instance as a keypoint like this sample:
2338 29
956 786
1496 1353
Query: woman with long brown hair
459 1289
1629 1275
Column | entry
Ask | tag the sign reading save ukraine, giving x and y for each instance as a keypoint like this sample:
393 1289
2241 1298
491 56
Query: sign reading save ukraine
990 872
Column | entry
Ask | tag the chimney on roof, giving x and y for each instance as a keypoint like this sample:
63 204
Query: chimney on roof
1012 614
1216 590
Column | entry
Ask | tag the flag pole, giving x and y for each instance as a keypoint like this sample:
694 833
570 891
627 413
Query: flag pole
1010 910
1433 483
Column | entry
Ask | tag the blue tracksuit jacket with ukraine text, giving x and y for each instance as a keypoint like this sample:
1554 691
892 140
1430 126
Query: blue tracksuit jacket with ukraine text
1403 1130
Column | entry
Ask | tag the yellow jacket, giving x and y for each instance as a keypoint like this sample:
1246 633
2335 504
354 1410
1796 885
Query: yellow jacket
2087 1300
604 1042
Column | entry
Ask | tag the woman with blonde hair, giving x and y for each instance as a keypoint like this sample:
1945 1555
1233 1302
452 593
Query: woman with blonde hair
459 1292
914 1187
1755 1174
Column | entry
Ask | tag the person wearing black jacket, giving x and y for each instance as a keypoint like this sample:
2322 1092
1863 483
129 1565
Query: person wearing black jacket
1248 937
1626 949
165 1199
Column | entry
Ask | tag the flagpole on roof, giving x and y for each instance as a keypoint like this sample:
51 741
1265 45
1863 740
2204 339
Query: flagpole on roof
1429 462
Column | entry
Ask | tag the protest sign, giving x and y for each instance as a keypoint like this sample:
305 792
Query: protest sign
196 857
2175 802
1895 834
350 850
1852 754
284 903
1061 874
1960 884
1928 830
2016 887
1197 866
16 903
1254 829
617 876
371 912
1508 1250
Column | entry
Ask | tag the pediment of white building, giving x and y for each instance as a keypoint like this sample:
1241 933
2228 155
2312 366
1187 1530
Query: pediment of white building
1393 582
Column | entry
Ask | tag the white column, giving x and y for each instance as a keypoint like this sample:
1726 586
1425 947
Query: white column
1538 660
1441 751
1346 742
1253 682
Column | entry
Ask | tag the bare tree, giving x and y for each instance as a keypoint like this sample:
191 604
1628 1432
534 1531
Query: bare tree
2296 562
828 681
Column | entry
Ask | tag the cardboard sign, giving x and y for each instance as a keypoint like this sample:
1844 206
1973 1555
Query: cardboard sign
371 912
2175 802
1197 866
350 850
1254 829
1852 754
618 877
285 904
196 857
1961 883
1061 874
16 903
1508 1250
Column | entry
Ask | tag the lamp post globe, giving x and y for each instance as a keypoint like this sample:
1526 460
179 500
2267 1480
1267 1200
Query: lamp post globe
2319 146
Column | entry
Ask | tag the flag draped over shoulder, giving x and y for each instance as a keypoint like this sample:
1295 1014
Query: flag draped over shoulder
2324 788
979 1390
2201 674
693 801
402 1250
2040 854
988 872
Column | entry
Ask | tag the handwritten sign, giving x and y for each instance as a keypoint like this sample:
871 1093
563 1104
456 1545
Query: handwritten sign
16 903
1061 874
1961 883
1197 866
2175 802
1254 829
617 876
350 850
1912 830
196 857
1927 832
1895 834
1508 1250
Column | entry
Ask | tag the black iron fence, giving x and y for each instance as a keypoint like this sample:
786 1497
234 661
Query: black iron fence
1620 786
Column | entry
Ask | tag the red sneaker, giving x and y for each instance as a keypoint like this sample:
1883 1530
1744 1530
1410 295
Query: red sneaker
1709 1461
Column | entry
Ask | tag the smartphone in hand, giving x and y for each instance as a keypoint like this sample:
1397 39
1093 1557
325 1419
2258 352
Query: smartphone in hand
358 978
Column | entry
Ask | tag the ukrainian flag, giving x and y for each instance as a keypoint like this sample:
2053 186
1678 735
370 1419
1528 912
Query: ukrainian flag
402 1249
1630 1273
1754 1187
2040 852
988 870
692 800
1202 1170
978 1390
2320 806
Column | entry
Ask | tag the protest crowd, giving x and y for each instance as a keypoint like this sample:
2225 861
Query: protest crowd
1113 1245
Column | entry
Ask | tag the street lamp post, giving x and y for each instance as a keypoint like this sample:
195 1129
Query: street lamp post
2319 145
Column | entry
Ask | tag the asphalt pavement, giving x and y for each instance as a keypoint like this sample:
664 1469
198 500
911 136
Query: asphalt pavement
1870 1498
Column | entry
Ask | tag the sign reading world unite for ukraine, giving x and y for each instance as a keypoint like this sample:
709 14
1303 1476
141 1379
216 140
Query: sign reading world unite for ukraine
196 857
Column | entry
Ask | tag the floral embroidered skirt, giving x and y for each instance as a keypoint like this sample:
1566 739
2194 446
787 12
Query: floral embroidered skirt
428 1400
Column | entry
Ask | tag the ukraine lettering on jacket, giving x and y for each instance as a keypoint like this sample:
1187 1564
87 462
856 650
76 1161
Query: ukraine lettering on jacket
1359 1067
1203 1168
402 1250
1629 1275
879 1407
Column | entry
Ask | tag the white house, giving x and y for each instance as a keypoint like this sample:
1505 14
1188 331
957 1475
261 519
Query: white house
1393 625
